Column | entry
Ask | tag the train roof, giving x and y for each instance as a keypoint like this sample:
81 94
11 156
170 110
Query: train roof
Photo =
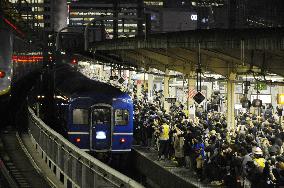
72 83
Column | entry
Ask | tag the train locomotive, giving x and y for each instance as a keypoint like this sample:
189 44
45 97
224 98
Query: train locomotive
6 61
18 57
94 116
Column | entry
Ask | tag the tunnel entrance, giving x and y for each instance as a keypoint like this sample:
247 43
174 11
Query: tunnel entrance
15 114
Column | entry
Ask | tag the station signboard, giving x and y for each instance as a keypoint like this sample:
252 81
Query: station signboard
198 97
171 100
261 86
239 88
222 88
266 99
121 80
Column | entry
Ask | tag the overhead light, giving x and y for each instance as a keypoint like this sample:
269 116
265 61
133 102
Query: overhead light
257 103
245 103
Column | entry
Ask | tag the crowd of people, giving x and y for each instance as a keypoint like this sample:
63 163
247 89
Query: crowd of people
248 155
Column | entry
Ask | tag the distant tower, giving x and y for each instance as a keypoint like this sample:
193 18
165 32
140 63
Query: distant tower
55 14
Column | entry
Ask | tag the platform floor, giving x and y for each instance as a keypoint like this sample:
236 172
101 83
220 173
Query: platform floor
179 174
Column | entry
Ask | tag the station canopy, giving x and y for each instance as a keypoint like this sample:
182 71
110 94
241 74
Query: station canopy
217 51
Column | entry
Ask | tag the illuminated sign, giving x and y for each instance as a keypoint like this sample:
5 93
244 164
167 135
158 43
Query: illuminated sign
193 17
171 100
27 58
266 99
280 98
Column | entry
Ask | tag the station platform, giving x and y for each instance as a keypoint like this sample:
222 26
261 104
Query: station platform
164 173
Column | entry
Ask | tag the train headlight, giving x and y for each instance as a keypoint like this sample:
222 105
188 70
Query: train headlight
2 74
100 135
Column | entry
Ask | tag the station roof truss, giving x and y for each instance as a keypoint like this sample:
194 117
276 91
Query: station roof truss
220 51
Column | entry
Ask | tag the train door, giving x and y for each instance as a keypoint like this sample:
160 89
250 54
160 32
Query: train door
101 127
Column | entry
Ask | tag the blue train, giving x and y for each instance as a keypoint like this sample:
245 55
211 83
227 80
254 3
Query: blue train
95 116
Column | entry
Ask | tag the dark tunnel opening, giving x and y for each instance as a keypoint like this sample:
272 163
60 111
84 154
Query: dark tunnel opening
16 113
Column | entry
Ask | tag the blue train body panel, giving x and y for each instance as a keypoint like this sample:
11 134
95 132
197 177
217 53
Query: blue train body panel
121 131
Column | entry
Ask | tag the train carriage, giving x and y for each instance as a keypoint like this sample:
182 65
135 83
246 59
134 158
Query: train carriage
94 116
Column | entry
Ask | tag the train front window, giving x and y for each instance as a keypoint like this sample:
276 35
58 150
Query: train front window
101 116
80 116
121 117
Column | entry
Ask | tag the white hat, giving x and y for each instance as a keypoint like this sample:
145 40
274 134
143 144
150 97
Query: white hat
257 151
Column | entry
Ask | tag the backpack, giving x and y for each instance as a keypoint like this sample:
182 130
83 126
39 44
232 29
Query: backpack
260 162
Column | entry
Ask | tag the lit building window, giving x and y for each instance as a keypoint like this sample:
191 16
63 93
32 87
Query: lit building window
154 3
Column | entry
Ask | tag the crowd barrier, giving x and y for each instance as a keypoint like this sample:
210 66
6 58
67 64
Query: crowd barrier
73 167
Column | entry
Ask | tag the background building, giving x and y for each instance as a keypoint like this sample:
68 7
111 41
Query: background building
48 14
170 15
119 18
171 19
238 13
129 18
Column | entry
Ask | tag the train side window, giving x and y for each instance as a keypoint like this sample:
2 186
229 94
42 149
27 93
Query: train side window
121 117
80 116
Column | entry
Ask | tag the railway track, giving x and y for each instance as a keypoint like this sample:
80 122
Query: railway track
18 167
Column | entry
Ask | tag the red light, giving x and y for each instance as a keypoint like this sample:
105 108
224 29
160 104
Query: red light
122 140
2 74
74 61
78 140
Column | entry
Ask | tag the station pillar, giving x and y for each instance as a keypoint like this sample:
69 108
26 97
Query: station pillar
139 88
173 90
166 90
231 101
151 78
101 72
129 81
190 94
209 90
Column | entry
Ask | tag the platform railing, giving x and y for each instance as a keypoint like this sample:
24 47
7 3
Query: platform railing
73 167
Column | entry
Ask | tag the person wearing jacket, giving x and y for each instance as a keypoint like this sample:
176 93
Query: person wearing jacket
164 140
198 147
